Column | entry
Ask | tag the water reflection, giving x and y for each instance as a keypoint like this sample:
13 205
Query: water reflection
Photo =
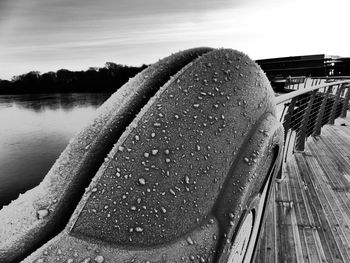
42 102
34 131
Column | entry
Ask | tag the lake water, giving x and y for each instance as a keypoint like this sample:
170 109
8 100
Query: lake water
34 130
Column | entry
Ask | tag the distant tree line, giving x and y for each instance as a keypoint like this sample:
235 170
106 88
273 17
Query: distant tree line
105 79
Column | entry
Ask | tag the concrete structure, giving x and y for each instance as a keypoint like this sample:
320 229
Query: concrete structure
174 162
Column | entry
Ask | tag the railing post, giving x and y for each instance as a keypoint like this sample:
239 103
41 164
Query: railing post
335 104
320 115
305 82
300 141
288 119
286 127
346 102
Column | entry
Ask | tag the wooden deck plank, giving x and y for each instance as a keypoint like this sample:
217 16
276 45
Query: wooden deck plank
299 235
341 170
301 215
271 248
323 223
321 210
330 200
336 199
295 228
316 227
266 247
310 203
328 152
285 234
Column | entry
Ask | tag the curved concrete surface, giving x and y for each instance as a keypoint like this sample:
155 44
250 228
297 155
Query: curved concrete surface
42 212
175 183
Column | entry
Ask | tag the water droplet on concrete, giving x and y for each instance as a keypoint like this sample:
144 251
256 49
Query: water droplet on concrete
138 229
142 181
121 148
190 241
99 259
42 213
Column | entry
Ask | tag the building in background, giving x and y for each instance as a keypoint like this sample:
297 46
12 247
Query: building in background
279 69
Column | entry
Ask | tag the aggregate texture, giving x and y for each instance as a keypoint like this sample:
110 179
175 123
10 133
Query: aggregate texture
166 171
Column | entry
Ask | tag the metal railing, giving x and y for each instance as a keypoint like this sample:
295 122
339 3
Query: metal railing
295 83
300 82
305 111
318 81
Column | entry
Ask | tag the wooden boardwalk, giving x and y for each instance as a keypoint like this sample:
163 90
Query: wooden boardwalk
308 217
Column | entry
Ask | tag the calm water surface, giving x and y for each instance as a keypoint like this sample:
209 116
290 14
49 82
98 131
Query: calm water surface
34 130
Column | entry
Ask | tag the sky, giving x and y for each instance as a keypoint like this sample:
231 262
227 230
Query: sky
47 35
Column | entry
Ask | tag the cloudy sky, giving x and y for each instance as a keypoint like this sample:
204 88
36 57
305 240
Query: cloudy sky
45 35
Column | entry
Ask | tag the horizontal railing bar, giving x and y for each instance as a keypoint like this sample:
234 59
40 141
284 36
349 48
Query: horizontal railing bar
326 77
296 68
283 98
331 77
297 77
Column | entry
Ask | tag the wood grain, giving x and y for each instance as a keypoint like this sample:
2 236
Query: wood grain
308 218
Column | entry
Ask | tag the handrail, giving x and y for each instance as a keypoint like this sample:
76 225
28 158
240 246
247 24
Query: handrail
331 77
297 82
283 98
297 77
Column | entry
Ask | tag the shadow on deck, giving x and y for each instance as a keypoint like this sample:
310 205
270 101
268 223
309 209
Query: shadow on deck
308 217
